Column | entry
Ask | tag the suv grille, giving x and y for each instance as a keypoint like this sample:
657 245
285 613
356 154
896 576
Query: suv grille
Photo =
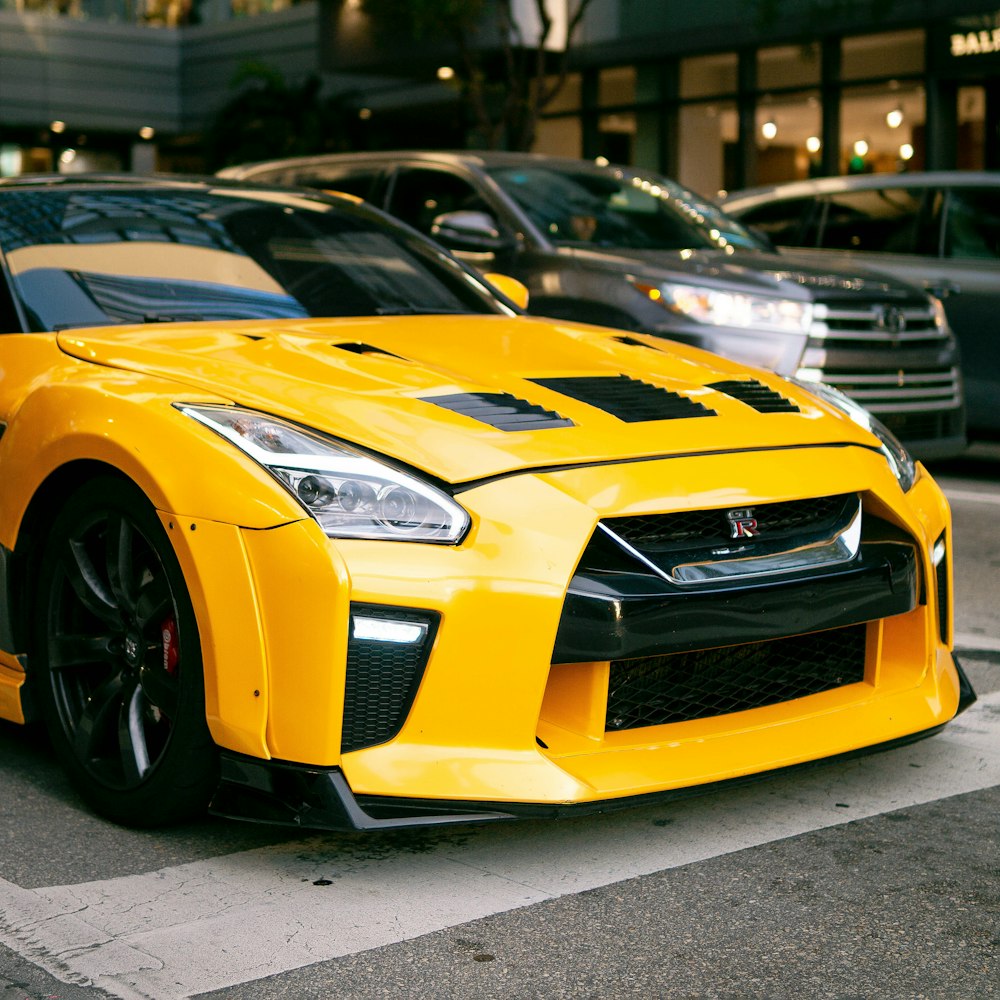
839 324
899 391
679 687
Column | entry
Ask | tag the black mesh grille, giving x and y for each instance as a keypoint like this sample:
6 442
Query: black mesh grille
382 678
757 395
627 398
500 410
656 690
696 528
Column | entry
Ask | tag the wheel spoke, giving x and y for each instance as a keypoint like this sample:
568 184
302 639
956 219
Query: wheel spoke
154 604
66 651
120 568
98 718
160 689
92 592
132 738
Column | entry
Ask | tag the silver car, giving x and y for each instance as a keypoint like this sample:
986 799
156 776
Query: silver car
939 230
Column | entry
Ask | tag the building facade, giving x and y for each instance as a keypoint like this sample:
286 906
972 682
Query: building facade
721 97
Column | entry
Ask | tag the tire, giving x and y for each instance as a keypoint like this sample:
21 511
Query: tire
116 662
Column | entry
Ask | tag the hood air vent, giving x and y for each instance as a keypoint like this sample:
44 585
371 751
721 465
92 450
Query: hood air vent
757 395
626 398
500 410
359 348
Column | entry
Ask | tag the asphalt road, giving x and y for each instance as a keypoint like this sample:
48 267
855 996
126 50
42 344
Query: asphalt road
872 878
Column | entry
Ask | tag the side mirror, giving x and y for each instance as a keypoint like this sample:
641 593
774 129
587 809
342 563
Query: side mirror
510 288
467 230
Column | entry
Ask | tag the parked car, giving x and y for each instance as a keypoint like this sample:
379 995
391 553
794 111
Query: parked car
609 245
937 230
299 520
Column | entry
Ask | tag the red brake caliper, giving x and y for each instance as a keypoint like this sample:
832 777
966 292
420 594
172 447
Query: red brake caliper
171 647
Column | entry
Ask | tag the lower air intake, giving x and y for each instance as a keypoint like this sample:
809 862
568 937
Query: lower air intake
679 687
383 675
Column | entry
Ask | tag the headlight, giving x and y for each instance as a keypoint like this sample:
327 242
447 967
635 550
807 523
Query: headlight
899 459
736 309
349 493
940 317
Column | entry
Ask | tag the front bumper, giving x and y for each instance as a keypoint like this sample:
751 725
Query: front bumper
508 713
286 794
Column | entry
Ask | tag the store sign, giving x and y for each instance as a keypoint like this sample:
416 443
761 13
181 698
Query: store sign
975 43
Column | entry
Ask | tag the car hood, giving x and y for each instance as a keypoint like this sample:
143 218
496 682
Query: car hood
769 273
468 397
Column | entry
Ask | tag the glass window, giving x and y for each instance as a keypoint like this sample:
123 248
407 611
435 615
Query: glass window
972 223
788 137
888 220
98 257
616 86
788 66
419 196
706 76
790 222
360 183
890 53
882 128
611 207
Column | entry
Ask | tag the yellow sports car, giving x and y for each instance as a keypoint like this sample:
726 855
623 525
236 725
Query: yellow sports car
302 522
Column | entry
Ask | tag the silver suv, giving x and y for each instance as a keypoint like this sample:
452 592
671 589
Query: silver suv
937 230
624 248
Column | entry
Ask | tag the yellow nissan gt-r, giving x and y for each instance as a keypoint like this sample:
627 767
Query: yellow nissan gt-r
301 522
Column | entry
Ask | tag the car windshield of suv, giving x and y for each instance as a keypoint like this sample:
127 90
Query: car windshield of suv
98 256
612 207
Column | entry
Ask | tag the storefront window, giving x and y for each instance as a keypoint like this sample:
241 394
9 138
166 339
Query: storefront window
707 76
788 66
892 53
788 137
616 86
971 128
708 136
882 128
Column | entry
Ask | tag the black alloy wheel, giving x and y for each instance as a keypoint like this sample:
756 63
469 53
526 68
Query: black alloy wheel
117 665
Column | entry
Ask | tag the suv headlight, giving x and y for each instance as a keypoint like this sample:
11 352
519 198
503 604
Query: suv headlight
899 459
349 493
742 310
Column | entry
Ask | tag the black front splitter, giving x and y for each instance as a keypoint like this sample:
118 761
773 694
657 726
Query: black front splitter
309 798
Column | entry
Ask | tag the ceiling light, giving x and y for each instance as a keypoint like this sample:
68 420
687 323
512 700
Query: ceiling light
813 144
445 73
894 118
58 126
769 129
147 132
906 151
861 147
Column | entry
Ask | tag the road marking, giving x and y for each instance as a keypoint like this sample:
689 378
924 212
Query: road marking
970 496
975 643
210 924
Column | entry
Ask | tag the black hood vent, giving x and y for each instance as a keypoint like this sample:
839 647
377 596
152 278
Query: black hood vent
360 348
757 395
626 398
500 410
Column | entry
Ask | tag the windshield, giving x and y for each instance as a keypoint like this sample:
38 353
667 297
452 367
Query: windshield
95 257
612 207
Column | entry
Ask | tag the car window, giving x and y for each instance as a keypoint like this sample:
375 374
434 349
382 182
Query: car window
788 222
886 220
972 223
98 257
418 196
611 207
359 182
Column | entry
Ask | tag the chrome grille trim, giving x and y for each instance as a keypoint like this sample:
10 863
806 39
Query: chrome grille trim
864 324
898 392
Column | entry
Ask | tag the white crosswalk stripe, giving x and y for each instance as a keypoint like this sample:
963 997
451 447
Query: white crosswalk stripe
210 924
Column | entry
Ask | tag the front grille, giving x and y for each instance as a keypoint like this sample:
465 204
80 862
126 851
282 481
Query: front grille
924 426
696 528
899 391
841 324
679 687
626 398
382 677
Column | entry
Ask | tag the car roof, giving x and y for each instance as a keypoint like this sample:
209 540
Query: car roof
863 182
477 159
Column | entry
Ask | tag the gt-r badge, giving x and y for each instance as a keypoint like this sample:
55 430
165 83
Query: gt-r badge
742 523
